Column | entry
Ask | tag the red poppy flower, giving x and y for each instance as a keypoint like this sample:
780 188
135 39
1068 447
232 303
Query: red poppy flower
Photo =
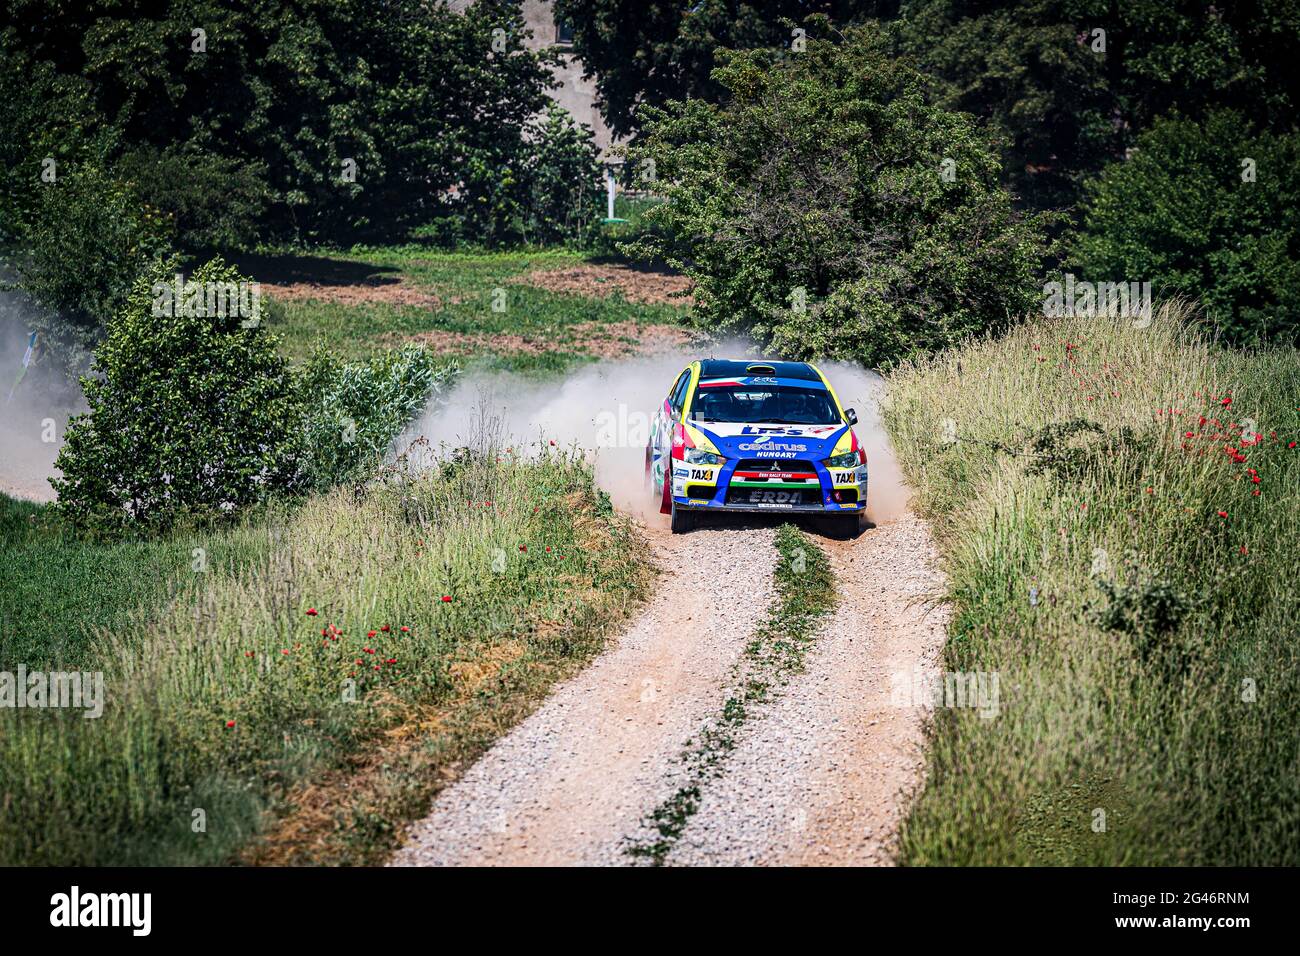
230 723
285 651
385 628
446 599
1222 514
370 634
311 612
523 547
405 629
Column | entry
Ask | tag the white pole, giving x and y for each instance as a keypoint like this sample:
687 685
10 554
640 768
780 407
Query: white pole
609 189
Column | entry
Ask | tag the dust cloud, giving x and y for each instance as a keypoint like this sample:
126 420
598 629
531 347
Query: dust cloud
862 390
605 409
34 413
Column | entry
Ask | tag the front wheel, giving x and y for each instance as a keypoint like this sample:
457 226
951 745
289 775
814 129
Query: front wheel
846 526
683 520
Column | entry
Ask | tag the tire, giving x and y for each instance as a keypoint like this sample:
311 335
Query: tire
683 520
846 526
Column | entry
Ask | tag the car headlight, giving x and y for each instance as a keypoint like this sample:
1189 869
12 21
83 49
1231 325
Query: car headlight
847 460
696 457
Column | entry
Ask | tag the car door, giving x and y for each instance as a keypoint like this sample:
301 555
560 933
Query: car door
666 416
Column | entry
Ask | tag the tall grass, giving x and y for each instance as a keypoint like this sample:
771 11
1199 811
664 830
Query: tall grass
505 570
1131 583
58 589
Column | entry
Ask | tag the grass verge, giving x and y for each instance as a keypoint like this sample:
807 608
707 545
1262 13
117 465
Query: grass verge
1116 509
468 298
805 590
433 610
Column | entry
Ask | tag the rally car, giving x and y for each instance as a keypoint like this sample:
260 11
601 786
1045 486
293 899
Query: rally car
759 436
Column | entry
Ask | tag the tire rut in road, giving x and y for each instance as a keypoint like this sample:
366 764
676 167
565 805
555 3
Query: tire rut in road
567 784
820 775
824 773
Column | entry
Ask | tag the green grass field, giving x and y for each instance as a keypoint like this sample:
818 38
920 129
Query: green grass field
1130 578
477 295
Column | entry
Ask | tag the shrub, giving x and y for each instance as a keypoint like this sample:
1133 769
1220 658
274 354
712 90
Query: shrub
1180 215
90 238
563 180
353 413
814 213
208 201
189 415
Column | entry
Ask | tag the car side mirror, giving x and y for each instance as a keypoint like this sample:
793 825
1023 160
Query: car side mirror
851 416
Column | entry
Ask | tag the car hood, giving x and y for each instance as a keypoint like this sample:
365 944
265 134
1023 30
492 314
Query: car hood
764 440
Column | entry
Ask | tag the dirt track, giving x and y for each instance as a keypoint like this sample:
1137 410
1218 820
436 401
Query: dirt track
819 777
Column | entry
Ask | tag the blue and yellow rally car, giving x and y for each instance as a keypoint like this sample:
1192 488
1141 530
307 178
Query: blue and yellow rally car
756 436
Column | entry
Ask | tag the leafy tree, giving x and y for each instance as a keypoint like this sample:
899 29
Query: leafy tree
353 115
652 52
90 237
1183 214
563 179
190 415
44 116
827 209
1071 83
1064 99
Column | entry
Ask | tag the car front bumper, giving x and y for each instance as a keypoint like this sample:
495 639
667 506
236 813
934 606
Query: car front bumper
724 488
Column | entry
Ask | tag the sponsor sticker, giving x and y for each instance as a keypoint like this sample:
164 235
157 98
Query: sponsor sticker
761 497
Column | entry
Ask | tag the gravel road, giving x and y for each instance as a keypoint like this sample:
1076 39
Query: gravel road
566 785
823 775
819 776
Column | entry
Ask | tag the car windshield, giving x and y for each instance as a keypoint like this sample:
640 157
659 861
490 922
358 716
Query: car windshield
778 404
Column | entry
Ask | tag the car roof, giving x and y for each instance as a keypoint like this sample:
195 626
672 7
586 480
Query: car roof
725 368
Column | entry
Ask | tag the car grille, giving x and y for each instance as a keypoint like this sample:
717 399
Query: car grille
776 464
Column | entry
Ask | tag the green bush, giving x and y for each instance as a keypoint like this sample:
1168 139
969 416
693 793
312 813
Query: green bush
1180 215
208 201
814 212
563 180
90 238
189 415
353 413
